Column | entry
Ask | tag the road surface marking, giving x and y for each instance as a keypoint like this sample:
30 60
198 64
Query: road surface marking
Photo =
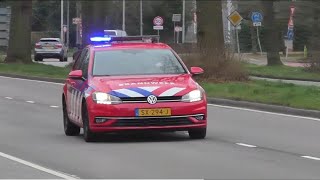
214 105
246 145
10 98
265 112
32 80
54 106
310 157
31 102
38 167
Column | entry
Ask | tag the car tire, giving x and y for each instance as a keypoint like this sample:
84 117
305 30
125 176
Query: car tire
65 59
197 133
38 58
88 135
70 129
61 59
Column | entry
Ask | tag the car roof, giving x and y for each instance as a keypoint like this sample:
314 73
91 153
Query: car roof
130 46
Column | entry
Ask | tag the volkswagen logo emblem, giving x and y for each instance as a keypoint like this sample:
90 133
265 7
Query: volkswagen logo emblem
152 99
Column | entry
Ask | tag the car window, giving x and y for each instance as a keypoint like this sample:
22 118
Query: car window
136 62
77 65
48 40
85 64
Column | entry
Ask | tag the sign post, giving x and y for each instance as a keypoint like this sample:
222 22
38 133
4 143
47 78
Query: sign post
257 18
158 24
290 33
235 18
175 18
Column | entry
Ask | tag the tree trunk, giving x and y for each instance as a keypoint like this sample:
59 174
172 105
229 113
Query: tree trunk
93 19
272 34
210 27
19 46
315 39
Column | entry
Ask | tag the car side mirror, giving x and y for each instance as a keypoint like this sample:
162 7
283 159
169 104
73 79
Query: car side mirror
77 74
196 70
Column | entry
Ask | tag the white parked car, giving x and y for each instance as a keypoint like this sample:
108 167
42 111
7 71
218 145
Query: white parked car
50 48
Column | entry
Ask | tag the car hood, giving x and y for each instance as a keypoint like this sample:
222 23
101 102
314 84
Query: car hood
143 86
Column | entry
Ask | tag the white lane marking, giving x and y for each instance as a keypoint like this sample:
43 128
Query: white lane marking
265 112
246 145
312 158
38 167
10 98
31 102
31 80
54 106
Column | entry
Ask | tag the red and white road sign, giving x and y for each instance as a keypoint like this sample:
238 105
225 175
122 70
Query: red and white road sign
158 21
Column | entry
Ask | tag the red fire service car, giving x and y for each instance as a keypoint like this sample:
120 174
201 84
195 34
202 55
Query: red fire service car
128 83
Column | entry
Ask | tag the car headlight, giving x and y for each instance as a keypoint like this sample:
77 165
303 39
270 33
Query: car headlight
193 96
104 98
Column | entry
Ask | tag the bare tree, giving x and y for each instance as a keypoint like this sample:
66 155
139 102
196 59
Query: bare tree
19 46
272 42
210 26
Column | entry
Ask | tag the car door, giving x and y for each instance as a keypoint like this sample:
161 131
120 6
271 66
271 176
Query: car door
72 89
80 87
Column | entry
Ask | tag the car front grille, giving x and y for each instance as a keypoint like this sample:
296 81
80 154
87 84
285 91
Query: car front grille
144 122
144 99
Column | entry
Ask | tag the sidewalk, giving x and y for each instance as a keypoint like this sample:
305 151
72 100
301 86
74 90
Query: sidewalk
296 82
293 60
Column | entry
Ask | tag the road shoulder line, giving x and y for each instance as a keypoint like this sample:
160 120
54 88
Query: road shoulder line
38 167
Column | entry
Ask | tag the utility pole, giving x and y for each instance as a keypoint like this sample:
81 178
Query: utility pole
141 18
61 21
78 4
183 20
68 22
123 15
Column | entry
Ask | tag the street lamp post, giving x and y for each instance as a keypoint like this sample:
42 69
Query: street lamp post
123 15
141 18
183 20
61 21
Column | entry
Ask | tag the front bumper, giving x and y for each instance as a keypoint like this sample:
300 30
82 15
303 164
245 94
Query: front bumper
122 117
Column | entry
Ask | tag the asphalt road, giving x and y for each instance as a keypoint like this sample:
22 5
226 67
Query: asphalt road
241 144
56 62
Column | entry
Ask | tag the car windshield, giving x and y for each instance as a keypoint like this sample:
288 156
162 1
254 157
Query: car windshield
136 62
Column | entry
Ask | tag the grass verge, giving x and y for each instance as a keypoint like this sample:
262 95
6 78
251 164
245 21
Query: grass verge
34 69
282 72
304 97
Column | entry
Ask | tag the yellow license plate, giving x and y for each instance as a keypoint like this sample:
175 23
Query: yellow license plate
153 112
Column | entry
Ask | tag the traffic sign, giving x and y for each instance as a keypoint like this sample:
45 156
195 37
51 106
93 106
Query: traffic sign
176 17
290 34
256 17
76 20
158 21
157 27
178 29
235 18
257 24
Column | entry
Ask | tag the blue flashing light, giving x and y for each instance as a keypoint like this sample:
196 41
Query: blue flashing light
100 39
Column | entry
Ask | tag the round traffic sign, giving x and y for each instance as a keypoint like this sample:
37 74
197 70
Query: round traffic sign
256 17
158 21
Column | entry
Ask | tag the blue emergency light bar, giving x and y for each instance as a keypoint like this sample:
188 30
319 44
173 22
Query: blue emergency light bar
107 39
100 39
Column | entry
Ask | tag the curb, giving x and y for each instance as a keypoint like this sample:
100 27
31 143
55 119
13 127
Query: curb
45 79
218 101
276 78
265 107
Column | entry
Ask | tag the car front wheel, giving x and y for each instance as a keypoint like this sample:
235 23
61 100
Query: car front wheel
70 129
88 135
198 133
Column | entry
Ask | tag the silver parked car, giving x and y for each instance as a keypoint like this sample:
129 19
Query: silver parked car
50 48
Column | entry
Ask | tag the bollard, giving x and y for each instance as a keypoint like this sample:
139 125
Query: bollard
305 51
